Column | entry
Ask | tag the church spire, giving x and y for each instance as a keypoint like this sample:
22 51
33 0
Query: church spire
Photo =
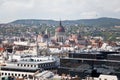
60 23
60 28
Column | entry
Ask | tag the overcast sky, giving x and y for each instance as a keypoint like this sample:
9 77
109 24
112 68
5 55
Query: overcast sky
58 9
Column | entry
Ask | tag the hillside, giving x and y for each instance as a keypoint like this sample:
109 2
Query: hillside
100 22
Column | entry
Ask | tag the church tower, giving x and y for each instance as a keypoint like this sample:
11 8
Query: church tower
60 33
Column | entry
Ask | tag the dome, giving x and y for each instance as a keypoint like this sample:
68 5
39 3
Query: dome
60 28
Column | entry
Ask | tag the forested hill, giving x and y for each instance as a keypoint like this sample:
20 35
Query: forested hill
99 22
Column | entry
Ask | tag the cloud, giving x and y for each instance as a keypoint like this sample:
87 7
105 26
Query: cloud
55 9
88 15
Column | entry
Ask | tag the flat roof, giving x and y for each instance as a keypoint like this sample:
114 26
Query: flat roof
92 59
32 62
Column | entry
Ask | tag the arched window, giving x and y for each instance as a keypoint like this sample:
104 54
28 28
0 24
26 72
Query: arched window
12 74
5 73
15 74
2 73
22 75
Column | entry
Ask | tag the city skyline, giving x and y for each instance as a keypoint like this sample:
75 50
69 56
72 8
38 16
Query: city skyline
56 9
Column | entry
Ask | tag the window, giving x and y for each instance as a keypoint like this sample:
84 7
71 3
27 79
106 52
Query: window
8 73
2 73
12 74
39 65
42 65
22 75
5 73
25 75
15 74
